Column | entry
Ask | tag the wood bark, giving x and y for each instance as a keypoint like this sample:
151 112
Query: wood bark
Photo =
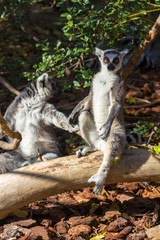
44 179
12 134
8 86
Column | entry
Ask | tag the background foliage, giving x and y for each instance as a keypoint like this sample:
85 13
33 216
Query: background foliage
64 43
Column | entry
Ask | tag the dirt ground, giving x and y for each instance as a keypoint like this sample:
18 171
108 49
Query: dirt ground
128 211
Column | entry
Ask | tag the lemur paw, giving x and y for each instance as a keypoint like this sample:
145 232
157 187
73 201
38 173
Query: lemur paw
99 181
76 128
82 151
73 128
72 120
104 131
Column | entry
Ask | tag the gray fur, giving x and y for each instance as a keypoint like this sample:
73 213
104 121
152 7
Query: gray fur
100 114
32 116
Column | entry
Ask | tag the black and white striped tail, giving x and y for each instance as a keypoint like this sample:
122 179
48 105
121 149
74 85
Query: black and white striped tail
134 138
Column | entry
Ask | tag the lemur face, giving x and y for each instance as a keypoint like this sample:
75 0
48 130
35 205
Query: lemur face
111 59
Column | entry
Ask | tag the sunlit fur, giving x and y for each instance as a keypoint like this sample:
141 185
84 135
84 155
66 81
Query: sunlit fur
34 118
101 123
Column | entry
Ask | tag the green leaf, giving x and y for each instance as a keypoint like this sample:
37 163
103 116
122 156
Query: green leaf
69 17
59 44
59 3
64 14
86 75
86 84
114 162
157 149
76 84
42 67
70 23
132 100
86 1
99 236
79 50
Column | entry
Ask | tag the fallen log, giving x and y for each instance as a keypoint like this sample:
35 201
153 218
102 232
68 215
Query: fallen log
40 180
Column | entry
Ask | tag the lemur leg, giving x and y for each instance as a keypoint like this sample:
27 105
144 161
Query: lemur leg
88 133
113 148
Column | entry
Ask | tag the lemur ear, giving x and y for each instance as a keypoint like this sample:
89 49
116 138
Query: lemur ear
99 52
124 52
42 80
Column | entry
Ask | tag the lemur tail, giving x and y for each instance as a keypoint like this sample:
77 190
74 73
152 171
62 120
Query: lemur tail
134 138
10 161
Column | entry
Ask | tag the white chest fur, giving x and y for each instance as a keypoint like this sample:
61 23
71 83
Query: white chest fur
101 86
27 123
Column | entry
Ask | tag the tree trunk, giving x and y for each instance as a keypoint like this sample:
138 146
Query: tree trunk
44 179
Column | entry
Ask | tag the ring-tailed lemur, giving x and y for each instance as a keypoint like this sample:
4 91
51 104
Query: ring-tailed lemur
32 116
100 114
150 58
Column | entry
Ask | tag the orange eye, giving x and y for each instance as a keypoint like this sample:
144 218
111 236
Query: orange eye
105 60
116 60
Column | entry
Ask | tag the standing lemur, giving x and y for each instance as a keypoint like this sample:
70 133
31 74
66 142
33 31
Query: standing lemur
32 116
100 114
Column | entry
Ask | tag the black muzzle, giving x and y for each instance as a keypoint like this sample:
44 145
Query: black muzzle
110 67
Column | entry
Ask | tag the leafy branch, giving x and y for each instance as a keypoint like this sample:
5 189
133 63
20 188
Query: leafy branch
85 24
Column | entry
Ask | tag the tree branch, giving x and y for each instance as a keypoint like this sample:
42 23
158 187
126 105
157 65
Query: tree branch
8 86
143 105
151 36
12 134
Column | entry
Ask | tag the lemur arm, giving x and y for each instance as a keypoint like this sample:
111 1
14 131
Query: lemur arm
116 105
50 115
83 105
